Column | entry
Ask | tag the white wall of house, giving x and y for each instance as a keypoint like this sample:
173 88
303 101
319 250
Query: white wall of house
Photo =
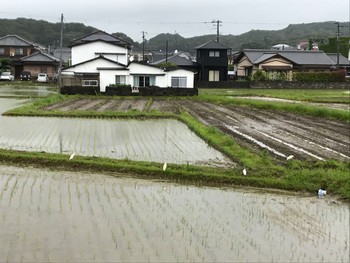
108 72
92 66
108 77
189 75
92 50
137 69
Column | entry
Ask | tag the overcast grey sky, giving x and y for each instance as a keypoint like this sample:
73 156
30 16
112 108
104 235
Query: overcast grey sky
187 18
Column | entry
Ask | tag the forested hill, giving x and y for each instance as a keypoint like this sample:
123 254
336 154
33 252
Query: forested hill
46 33
42 32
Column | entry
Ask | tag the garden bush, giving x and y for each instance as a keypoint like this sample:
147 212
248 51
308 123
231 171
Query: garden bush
335 76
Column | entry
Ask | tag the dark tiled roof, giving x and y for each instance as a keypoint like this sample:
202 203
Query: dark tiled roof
40 57
253 55
99 35
264 57
177 60
14 40
66 54
342 60
307 57
212 45
295 56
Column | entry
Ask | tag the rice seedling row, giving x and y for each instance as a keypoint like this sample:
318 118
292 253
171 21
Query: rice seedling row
62 216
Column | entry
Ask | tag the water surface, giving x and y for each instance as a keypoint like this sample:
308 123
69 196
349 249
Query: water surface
64 216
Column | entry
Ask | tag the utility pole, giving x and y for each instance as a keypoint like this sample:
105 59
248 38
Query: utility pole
143 46
265 38
217 22
175 40
166 52
60 65
338 40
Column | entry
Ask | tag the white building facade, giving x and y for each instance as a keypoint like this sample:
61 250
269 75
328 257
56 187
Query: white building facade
102 60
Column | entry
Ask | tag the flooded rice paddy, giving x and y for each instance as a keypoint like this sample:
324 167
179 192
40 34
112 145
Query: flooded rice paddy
17 91
63 216
151 140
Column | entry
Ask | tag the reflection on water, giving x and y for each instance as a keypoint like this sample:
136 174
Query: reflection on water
18 91
151 140
8 104
63 216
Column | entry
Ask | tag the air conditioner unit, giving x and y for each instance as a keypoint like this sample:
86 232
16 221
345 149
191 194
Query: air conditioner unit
12 54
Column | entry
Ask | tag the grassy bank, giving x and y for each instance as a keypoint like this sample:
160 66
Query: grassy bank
306 95
305 178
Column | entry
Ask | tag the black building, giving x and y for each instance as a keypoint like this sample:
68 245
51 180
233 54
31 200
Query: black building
213 60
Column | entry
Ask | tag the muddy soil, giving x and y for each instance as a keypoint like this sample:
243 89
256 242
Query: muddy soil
281 134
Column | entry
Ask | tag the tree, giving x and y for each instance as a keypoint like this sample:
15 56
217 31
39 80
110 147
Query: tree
5 64
332 46
167 65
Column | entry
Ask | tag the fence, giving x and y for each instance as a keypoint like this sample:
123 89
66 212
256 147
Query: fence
127 91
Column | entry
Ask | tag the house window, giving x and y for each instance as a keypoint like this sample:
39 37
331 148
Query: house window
248 71
120 79
214 54
144 81
19 51
89 83
179 82
214 75
2 50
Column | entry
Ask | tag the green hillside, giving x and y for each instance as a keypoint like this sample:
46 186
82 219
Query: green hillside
46 33
291 35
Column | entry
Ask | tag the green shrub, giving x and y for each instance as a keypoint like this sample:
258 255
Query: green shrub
120 86
260 75
335 76
167 65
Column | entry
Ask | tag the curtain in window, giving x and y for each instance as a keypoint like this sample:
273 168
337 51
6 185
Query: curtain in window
178 82
214 75
136 81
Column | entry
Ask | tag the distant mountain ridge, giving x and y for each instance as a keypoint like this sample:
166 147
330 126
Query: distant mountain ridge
48 34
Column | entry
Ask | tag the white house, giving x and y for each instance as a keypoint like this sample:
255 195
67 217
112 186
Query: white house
100 60
99 43
143 75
